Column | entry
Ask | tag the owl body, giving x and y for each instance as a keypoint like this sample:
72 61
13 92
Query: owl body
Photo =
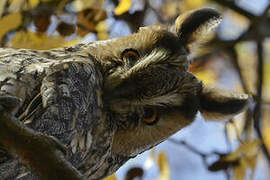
109 101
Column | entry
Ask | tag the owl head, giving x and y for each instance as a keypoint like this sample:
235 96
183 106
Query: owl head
147 87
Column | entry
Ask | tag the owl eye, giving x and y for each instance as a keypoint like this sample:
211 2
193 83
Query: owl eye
150 116
130 54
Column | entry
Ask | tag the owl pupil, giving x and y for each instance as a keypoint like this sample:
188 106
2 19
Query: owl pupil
148 113
132 59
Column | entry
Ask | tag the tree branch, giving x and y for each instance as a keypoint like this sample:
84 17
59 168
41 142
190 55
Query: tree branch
233 6
257 110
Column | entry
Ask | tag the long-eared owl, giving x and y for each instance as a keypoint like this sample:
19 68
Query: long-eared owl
109 101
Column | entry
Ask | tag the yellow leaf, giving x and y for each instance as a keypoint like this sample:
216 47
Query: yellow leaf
16 6
192 4
195 3
30 40
247 149
102 29
9 22
243 159
252 162
245 163
33 3
102 35
164 167
240 170
111 177
266 70
122 7
266 130
102 26
247 60
207 76
2 7
80 5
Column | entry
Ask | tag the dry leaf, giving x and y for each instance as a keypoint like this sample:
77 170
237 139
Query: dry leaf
247 61
135 172
192 4
102 36
249 148
102 30
85 22
65 29
42 23
207 76
164 167
243 159
30 40
16 6
102 26
222 164
80 5
122 7
100 15
240 170
2 7
252 162
88 19
245 163
33 3
9 22
266 77
266 135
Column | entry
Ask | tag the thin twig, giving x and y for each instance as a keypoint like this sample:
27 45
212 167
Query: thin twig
257 110
204 156
192 149
233 6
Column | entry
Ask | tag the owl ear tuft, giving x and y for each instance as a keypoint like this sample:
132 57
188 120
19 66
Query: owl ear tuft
216 104
194 27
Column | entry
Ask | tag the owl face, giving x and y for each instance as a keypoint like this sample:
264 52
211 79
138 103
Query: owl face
147 87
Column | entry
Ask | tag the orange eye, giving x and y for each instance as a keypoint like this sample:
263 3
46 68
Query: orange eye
150 116
131 54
